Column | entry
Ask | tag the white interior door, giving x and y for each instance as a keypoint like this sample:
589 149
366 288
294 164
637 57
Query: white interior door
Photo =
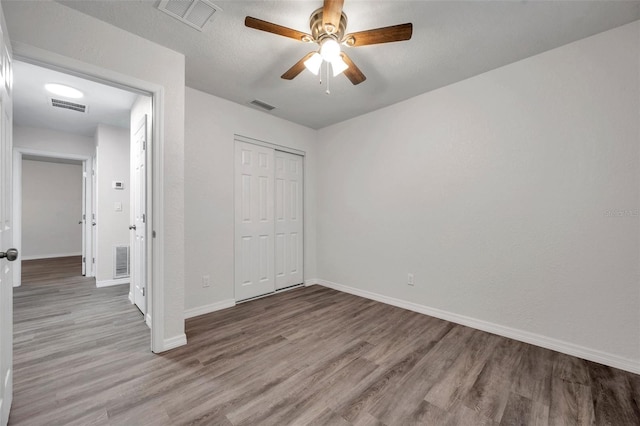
6 236
83 219
140 216
91 263
254 226
288 219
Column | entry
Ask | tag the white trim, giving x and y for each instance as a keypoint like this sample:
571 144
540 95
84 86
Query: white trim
155 224
131 298
109 283
311 281
5 404
155 256
173 342
49 256
274 146
207 309
147 320
17 215
512 333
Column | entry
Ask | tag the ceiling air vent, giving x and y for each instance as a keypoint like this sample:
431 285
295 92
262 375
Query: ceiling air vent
195 13
59 103
262 105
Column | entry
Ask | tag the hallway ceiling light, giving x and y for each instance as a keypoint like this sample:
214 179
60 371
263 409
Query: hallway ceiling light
64 91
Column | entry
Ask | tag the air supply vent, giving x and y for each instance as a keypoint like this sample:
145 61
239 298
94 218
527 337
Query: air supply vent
120 261
59 103
262 105
195 13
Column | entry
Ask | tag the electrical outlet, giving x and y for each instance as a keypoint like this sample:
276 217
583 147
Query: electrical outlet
410 279
206 281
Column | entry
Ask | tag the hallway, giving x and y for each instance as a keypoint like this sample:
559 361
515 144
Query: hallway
68 336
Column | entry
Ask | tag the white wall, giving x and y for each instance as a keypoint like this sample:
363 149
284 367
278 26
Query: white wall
497 193
112 154
51 209
211 123
45 140
59 35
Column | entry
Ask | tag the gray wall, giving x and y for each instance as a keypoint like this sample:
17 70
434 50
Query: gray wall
501 194
51 209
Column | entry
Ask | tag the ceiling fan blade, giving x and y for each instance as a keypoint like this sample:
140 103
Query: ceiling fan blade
353 73
297 68
331 13
270 27
380 35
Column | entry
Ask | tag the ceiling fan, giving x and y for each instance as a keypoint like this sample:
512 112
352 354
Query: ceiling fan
328 29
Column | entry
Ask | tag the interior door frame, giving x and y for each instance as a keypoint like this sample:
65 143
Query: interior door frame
18 156
155 168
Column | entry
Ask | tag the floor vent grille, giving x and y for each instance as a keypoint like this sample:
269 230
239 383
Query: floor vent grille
195 13
121 261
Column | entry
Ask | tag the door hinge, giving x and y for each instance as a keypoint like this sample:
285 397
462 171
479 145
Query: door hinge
144 218
84 217
143 292
84 260
144 145
93 260
153 233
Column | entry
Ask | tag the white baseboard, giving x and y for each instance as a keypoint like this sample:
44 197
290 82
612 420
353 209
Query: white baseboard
48 256
512 333
147 320
207 309
174 342
108 283
131 298
311 281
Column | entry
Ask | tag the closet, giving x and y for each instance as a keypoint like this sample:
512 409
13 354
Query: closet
268 244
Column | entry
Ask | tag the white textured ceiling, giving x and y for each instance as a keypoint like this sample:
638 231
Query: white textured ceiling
452 41
31 104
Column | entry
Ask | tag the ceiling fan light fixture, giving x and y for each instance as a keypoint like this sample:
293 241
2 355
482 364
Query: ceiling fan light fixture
338 65
313 63
330 50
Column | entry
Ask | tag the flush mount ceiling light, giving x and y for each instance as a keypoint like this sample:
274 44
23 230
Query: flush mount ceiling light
64 91
328 29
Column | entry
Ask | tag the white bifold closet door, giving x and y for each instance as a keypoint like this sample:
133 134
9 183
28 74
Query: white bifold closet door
268 220
288 217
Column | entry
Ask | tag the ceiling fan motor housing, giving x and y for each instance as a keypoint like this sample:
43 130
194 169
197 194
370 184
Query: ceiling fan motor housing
318 31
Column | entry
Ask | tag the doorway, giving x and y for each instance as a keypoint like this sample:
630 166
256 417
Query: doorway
53 207
100 144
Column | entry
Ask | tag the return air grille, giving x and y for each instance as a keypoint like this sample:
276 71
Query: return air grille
262 105
59 103
120 261
195 13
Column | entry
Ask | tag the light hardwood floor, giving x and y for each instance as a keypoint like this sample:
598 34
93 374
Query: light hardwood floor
306 356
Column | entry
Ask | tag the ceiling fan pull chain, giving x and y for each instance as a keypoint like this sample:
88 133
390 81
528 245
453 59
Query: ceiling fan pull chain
328 92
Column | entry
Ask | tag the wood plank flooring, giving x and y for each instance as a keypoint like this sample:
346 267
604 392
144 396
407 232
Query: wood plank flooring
307 356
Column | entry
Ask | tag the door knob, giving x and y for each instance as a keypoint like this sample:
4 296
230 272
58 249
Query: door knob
80 223
93 224
132 227
11 254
